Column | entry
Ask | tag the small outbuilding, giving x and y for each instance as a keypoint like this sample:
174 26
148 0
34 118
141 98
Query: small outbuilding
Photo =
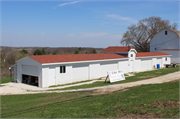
48 70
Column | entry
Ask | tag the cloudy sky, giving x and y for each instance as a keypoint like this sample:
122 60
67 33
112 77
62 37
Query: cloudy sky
79 23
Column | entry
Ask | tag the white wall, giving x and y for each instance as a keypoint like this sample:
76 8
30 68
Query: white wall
108 66
80 72
162 41
137 65
94 70
146 64
45 76
64 78
123 65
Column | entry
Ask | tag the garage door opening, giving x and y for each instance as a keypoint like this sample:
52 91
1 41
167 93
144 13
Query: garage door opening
32 80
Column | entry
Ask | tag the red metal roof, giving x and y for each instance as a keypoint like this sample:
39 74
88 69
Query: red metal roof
73 57
118 49
148 54
169 50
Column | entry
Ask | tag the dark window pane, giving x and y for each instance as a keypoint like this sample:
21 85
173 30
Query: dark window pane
64 69
165 32
60 69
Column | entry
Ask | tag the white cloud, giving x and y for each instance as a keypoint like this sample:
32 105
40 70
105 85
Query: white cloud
93 34
121 18
68 3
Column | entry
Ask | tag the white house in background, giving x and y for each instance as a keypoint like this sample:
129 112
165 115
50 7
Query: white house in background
167 41
48 70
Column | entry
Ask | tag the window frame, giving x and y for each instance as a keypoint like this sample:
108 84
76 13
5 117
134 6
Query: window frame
166 32
62 69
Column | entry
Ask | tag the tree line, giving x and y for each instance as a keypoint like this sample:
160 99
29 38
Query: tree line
8 57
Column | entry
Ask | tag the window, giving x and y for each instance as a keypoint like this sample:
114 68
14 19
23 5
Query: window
62 69
131 55
165 32
166 59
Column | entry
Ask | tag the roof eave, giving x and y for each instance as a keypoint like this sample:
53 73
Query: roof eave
153 56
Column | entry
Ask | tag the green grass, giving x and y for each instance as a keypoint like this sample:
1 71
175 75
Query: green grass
6 79
135 101
136 77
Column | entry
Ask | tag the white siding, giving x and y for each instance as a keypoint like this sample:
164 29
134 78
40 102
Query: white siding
45 76
107 66
52 76
123 65
137 65
94 70
80 72
64 78
146 64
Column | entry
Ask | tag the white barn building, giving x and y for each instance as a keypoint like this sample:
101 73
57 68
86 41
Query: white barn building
167 41
48 70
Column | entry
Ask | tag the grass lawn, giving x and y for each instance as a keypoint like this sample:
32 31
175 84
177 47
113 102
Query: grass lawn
6 79
146 101
136 77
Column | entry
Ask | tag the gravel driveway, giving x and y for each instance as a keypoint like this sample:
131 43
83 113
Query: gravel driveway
19 88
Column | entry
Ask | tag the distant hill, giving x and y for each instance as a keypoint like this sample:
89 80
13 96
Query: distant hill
57 50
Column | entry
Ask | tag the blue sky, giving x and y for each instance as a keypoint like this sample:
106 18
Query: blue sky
77 23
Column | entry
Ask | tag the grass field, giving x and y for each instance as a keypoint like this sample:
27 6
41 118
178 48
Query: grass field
137 77
6 79
146 101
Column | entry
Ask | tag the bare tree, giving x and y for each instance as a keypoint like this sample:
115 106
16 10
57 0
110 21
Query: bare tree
140 34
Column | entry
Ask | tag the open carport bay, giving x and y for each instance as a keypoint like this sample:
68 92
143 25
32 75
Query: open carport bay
32 80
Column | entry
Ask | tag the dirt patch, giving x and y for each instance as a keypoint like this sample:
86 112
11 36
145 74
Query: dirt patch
166 104
147 76
175 80
140 115
109 91
46 111
4 107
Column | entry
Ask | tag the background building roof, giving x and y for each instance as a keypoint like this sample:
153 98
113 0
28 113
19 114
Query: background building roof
118 49
148 54
169 50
